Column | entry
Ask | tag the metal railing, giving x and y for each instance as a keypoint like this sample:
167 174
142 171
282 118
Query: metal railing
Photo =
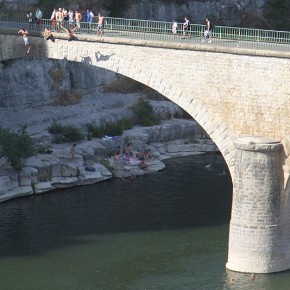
161 31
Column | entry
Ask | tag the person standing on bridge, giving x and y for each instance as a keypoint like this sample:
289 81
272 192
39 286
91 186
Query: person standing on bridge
59 19
174 27
208 30
53 19
186 27
101 23
29 17
24 33
78 18
90 16
38 17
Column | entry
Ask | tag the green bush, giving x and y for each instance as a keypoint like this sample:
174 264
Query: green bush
95 131
67 133
55 128
144 114
72 133
16 147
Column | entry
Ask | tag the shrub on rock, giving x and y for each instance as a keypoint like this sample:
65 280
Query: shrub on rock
16 147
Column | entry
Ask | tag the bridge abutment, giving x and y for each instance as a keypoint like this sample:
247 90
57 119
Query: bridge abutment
256 240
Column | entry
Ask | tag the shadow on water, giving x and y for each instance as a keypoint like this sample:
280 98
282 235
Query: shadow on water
187 194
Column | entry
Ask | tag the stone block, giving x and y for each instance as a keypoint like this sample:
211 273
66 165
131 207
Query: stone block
69 170
42 187
65 182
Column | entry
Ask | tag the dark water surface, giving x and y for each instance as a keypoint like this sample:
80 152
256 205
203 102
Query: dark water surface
167 230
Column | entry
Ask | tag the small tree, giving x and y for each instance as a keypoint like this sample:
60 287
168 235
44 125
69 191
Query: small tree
16 147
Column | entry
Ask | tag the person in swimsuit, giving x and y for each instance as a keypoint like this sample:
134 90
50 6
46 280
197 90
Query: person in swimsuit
101 23
24 33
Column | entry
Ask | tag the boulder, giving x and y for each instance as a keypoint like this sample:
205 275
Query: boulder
16 192
24 177
69 170
42 187
65 182
8 180
42 140
91 178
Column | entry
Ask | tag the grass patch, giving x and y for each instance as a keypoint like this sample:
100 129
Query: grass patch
111 129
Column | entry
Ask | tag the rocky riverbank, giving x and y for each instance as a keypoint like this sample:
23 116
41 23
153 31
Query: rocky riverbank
93 160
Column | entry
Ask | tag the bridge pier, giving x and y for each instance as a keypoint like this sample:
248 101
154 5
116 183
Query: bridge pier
258 236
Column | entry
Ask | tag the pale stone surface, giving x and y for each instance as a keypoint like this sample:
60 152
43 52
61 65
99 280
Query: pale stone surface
65 182
24 177
42 187
258 242
16 192
8 180
91 178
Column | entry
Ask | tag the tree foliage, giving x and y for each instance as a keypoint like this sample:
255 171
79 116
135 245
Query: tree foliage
16 147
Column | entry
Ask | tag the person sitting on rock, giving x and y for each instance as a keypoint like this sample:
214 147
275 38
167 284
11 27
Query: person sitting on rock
117 157
128 150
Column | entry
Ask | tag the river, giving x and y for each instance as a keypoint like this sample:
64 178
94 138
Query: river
167 230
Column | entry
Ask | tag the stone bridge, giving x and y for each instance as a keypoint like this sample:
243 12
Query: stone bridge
240 97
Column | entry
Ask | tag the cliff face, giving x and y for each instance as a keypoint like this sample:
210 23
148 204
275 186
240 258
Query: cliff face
33 92
36 92
226 12
31 84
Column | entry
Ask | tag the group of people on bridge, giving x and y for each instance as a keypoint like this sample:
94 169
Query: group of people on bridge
186 29
62 20
69 21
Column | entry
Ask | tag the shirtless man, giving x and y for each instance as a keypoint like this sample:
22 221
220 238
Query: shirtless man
101 23
59 19
70 33
24 33
78 17
48 34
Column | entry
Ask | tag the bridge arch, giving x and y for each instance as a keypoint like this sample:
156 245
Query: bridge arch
231 94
